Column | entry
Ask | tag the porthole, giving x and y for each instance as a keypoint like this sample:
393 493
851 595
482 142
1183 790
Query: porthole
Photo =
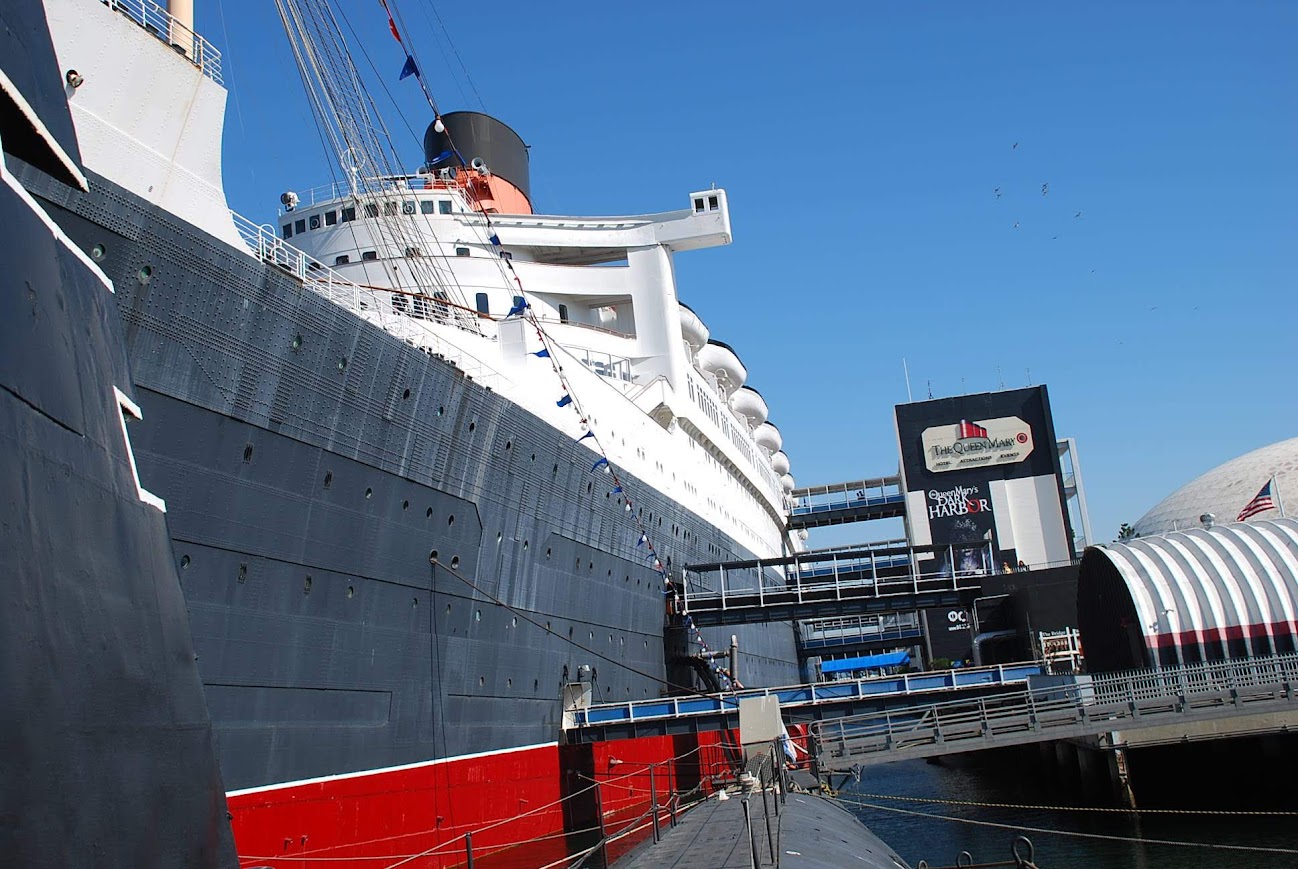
145 274
513 623
414 602
577 566
428 514
405 394
448 609
590 565
184 562
329 479
369 493
589 486
440 410
548 553
509 445
296 343
570 632
455 562
243 573
351 592
509 683
450 520
482 680
306 585
534 457
477 615
472 426
525 545
590 636
342 363
536 684
247 454
628 577
98 252
554 471
547 626
432 556
405 505
499 538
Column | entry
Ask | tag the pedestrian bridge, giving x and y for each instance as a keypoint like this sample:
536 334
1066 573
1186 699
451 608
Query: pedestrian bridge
839 503
1051 708
827 582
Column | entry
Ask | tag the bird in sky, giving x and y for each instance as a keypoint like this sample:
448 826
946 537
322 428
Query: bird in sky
1077 216
998 193
1016 224
1045 188
1014 147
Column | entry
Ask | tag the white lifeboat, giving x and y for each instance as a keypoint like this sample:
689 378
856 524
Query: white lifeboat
768 437
692 329
787 482
721 362
750 403
780 463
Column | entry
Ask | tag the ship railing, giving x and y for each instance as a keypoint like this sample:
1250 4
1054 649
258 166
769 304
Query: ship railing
369 303
164 26
362 187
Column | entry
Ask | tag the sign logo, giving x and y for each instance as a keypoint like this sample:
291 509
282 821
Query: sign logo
975 444
959 501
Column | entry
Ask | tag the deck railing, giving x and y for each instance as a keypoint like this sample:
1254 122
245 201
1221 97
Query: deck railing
164 26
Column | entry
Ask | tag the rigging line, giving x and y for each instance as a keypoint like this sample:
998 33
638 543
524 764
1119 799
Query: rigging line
446 60
456 52
1074 833
527 618
1224 812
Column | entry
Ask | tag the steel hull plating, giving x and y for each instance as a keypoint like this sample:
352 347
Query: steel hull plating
312 464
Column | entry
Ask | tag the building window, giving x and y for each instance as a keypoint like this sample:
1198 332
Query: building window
444 206
369 255
427 206
483 306
563 313
342 259
288 230
299 226
331 218
371 209
349 213
461 251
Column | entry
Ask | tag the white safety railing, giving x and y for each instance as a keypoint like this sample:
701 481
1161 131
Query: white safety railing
413 324
160 23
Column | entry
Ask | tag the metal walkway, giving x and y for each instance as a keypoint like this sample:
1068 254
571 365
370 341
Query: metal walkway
822 583
813 702
839 503
857 633
1058 707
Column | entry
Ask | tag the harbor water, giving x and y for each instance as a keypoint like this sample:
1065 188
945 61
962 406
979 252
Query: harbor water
938 832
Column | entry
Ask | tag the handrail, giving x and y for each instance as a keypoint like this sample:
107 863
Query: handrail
162 24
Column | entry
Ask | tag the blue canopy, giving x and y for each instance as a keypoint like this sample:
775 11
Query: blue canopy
867 662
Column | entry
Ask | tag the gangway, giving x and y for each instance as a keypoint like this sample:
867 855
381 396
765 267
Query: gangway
1054 708
858 633
811 702
827 582
839 503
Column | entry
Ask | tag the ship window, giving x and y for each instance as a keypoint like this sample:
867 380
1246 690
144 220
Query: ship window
390 208
482 304
288 230
299 226
461 251
371 209
713 205
408 207
455 564
412 252
698 204
369 255
306 585
247 454
444 206
314 221
427 206
349 213
342 259
563 313
331 218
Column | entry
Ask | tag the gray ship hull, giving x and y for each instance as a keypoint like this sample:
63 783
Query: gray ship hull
312 464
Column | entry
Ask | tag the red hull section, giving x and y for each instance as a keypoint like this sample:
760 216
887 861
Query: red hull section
525 808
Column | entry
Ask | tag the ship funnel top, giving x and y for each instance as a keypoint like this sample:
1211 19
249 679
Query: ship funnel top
479 140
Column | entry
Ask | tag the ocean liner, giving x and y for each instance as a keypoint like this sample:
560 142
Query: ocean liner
426 455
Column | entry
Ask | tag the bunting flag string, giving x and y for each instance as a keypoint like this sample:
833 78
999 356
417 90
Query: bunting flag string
392 25
524 309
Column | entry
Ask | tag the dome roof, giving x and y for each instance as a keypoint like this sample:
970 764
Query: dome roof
1225 490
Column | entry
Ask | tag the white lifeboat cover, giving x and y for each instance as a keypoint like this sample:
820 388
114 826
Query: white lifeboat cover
723 363
768 436
751 404
780 463
787 482
692 329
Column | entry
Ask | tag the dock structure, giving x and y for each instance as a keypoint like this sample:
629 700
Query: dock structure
1237 697
840 503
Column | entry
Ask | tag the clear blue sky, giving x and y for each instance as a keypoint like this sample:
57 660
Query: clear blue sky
861 145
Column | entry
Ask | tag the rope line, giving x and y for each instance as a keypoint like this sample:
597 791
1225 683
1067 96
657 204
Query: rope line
1022 807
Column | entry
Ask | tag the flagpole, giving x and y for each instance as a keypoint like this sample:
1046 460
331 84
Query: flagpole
1275 487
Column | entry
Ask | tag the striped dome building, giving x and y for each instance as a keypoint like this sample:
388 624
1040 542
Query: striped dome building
1185 590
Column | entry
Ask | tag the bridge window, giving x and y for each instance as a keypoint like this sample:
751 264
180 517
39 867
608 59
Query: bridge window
371 209
331 218
299 226
461 251
444 206
390 208
427 206
563 313
349 213
698 205
369 255
342 259
713 205
288 230
482 304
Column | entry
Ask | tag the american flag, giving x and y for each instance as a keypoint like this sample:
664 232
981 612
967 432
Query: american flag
971 430
1263 500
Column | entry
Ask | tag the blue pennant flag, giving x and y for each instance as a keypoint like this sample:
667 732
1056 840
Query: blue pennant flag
641 541
440 157
494 239
542 354
617 489
565 401
519 308
409 69
598 462
589 434
689 621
